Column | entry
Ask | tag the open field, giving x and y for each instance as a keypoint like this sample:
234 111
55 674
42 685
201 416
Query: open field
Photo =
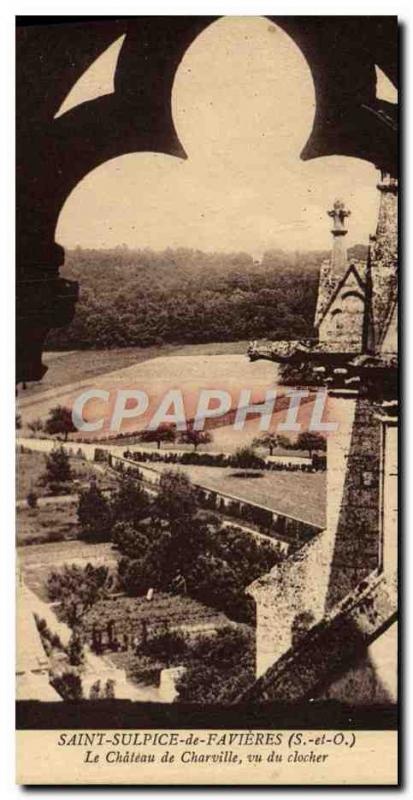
296 494
189 374
77 365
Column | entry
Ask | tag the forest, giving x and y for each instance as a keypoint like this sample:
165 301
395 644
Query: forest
143 298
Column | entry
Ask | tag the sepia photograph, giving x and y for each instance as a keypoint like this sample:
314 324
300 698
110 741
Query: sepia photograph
207 400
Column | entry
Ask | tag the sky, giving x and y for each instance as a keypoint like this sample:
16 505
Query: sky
243 104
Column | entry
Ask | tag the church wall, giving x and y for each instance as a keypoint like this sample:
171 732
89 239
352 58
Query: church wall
299 586
389 499
384 255
357 540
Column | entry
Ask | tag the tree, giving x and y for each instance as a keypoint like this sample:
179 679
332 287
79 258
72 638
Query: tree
36 425
60 421
130 503
58 469
285 442
136 576
302 623
77 589
176 500
311 442
129 541
94 515
163 433
196 437
164 552
267 440
75 650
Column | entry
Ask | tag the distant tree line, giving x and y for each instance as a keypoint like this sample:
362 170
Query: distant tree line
147 298
142 297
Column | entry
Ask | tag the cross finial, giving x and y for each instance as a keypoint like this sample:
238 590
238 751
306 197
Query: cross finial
338 214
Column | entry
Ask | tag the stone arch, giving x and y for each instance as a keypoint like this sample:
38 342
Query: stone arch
137 116
352 293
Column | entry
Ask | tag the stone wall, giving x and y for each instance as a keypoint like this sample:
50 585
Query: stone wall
357 537
384 263
300 585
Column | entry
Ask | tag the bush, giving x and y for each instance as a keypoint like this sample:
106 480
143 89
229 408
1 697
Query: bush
68 685
129 541
109 690
135 576
219 667
58 468
219 460
95 691
57 489
166 645
46 635
77 589
75 650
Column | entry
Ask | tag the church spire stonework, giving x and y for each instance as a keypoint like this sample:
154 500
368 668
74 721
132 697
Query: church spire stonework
341 306
339 215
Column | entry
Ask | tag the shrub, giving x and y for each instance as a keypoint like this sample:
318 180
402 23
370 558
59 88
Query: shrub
75 650
109 690
32 499
166 645
95 691
68 685
36 425
219 668
58 468
77 589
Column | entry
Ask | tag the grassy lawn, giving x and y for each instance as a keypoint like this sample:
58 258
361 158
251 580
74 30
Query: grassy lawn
49 523
296 494
39 560
31 466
